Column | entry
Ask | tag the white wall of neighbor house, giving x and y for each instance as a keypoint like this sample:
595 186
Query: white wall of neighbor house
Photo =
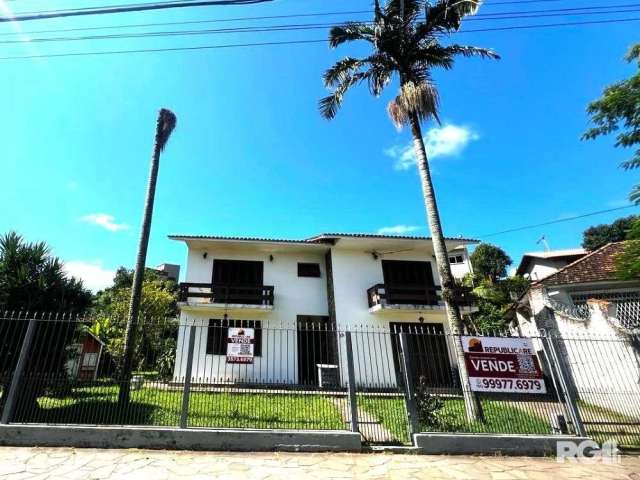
540 268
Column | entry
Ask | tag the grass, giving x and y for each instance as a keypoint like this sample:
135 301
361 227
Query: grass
499 417
161 407
625 435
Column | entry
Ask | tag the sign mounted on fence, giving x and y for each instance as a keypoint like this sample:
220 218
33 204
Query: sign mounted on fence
502 364
240 342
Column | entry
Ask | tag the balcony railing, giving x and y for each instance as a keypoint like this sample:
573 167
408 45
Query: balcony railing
390 294
227 294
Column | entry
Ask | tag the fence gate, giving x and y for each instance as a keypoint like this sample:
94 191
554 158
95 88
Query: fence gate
603 375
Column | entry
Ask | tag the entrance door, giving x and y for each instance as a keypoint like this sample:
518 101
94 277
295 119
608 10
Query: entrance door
408 282
316 345
230 276
427 348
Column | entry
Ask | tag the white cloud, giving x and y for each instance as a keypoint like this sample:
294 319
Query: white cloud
105 221
398 230
512 271
92 274
448 140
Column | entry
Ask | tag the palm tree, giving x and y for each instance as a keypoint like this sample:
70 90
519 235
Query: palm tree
165 124
405 45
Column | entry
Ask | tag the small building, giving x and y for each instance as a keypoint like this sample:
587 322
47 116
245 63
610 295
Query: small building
86 358
538 265
298 295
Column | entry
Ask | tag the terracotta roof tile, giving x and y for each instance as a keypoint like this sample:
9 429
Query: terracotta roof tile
596 266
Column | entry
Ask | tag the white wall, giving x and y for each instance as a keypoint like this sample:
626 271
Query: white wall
540 268
293 296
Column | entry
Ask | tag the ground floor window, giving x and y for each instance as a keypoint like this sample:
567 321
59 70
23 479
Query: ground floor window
218 332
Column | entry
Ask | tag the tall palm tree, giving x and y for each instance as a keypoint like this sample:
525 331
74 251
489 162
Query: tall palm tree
165 124
409 47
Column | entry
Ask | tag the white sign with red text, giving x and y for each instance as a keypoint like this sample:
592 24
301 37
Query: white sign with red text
502 364
240 342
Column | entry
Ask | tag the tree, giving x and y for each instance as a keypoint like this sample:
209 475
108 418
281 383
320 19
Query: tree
165 124
405 46
33 282
490 262
599 235
155 333
618 110
628 262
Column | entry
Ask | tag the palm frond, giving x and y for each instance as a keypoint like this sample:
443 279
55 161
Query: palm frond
165 126
447 15
419 99
349 32
340 71
634 196
330 104
470 51
633 163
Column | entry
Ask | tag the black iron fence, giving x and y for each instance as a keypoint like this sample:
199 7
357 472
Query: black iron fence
387 383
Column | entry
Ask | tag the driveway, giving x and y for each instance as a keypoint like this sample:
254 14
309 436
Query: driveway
85 464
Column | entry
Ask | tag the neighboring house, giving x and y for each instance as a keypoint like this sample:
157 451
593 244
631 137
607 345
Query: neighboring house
538 265
169 271
598 317
305 292
86 358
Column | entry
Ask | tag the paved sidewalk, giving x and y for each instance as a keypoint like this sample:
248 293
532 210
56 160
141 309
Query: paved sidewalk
85 464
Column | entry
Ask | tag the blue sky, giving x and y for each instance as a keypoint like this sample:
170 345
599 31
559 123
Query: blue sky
252 156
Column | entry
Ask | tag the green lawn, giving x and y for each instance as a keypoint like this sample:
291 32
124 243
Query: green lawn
625 435
161 407
499 417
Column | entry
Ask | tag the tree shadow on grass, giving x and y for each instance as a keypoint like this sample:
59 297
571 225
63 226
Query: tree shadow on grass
94 412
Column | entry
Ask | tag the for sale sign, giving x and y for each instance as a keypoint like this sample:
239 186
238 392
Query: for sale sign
240 342
502 364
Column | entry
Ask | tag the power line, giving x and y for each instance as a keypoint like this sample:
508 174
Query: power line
140 7
503 16
247 29
294 42
552 222
254 29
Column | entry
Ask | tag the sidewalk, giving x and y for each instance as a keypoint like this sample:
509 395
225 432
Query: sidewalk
85 464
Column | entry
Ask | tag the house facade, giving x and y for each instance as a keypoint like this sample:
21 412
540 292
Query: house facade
538 265
299 295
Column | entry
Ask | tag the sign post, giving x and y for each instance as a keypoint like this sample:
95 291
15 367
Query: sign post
503 364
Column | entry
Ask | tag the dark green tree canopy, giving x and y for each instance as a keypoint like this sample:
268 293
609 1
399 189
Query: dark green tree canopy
628 262
618 110
490 262
599 235
31 279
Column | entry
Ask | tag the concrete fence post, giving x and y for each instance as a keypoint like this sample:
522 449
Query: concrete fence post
351 376
184 416
409 387
568 394
10 404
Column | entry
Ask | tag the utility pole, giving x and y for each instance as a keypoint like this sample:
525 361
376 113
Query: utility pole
165 124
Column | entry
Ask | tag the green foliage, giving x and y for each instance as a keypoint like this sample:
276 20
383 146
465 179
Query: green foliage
156 330
618 110
428 406
628 262
493 300
490 262
33 280
600 235
402 45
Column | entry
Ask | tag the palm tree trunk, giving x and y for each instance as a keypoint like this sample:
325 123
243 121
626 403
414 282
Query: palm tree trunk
472 406
138 275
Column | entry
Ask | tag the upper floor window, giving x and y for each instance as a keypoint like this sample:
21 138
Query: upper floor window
454 259
309 270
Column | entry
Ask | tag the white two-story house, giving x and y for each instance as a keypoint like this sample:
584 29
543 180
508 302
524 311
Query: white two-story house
300 295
